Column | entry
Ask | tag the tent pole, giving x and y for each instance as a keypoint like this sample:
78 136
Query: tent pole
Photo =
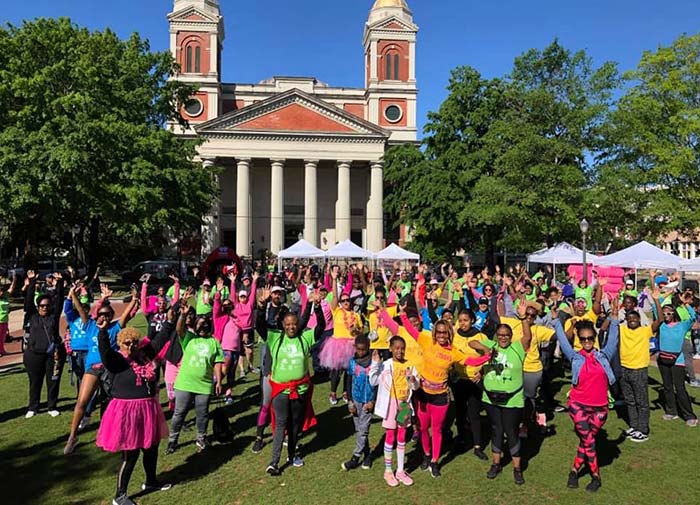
554 276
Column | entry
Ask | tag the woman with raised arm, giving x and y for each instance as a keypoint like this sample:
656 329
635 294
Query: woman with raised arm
591 373
133 422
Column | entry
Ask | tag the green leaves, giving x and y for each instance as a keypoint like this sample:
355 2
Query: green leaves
83 137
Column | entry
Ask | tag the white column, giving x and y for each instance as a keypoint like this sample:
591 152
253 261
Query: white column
310 202
375 208
210 229
342 205
373 61
242 208
277 207
412 61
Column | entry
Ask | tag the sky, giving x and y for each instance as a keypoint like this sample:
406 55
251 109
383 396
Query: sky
323 38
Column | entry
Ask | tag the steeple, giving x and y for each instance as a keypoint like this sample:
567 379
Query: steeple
387 8
208 6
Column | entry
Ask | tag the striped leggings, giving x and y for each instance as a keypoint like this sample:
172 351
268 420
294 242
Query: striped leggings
587 421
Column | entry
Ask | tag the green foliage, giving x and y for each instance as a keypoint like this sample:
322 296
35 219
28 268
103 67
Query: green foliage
84 139
506 160
655 137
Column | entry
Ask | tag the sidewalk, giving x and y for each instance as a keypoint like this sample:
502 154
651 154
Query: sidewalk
14 349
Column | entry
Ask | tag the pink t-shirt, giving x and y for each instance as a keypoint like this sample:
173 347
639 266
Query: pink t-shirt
231 337
592 387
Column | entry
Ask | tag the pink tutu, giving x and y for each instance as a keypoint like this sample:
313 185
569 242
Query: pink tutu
132 424
336 353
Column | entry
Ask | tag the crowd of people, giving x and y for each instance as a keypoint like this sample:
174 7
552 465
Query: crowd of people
402 344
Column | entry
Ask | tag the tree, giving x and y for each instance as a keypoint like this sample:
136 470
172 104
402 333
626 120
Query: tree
84 143
655 138
506 161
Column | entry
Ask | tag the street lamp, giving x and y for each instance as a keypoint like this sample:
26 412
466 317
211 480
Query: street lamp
584 230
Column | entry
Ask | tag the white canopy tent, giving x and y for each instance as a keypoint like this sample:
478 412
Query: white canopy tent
690 265
301 250
562 253
641 256
394 253
348 249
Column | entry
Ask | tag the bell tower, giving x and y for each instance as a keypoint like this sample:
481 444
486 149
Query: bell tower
196 42
390 68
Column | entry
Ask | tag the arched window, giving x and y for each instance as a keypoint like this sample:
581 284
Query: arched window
193 59
392 66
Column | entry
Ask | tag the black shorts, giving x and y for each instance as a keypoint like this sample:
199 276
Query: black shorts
96 371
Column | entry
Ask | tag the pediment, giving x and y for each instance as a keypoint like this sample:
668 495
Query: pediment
393 23
292 113
192 13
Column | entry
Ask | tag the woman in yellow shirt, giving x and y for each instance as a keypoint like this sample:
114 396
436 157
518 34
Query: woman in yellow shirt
433 399
337 349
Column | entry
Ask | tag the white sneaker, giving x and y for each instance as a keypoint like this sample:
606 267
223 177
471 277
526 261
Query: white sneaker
29 414
54 413
696 355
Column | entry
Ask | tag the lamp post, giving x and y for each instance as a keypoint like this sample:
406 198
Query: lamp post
584 230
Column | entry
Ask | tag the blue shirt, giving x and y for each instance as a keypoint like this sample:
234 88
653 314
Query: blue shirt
425 316
93 355
362 391
481 317
79 339
671 337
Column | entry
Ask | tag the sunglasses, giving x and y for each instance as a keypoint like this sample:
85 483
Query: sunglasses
506 335
130 343
44 305
530 314
345 300
104 314
586 339
442 332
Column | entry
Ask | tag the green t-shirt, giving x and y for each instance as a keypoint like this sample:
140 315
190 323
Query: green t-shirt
196 373
4 308
204 309
405 287
171 292
510 379
290 356
682 313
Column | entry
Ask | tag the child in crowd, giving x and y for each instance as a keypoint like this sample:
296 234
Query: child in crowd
396 379
362 396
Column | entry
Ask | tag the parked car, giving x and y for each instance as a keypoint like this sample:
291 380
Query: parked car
159 270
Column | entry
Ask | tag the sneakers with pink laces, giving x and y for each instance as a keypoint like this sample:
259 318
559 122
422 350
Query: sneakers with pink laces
404 478
390 479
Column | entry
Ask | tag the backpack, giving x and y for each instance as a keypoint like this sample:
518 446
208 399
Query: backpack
221 427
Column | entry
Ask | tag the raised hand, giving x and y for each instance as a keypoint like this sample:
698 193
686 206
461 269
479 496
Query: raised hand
31 274
102 323
219 284
189 293
195 271
106 293
375 356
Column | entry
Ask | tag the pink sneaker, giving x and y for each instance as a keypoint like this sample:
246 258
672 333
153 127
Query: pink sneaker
404 478
390 479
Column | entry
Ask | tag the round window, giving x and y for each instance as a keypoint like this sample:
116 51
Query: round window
194 107
393 113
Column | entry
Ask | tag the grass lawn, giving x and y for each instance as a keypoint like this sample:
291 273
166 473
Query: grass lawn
34 470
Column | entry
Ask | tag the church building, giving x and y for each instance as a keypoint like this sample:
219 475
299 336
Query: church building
299 157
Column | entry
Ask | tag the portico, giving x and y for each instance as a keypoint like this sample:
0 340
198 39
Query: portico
274 181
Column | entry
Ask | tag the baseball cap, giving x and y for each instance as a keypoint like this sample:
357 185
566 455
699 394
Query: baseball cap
629 282
434 281
242 292
276 289
483 301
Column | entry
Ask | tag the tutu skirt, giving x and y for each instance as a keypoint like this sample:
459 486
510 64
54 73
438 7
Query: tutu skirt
336 353
132 424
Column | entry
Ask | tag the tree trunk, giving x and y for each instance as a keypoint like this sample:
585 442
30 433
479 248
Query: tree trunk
93 246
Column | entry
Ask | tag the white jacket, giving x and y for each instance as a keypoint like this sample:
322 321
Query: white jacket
380 374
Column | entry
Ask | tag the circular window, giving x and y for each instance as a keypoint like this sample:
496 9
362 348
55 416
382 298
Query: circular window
393 113
194 107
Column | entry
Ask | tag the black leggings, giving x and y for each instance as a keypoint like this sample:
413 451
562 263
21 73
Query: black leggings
335 380
467 397
504 421
129 459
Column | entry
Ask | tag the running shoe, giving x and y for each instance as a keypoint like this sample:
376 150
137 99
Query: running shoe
572 482
345 397
29 414
494 471
84 423
273 470
123 500
258 446
669 417
518 476
333 399
172 447
629 432
692 423
694 383
390 479
434 470
54 413
201 444
425 464
228 400
351 464
297 462
638 436
155 486
367 462
559 409
479 453
404 478
594 485
70 445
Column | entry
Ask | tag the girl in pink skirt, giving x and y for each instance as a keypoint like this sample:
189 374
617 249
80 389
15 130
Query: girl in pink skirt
133 422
